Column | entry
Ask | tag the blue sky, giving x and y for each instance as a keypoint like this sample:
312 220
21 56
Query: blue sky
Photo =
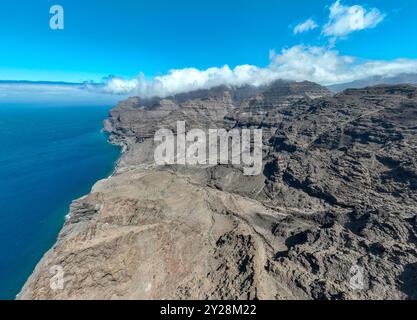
128 37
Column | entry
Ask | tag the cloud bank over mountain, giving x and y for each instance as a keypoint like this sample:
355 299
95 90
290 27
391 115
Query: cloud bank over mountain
323 65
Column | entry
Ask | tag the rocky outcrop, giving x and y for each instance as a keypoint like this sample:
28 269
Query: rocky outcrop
332 216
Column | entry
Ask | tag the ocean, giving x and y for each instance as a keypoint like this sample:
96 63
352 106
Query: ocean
49 156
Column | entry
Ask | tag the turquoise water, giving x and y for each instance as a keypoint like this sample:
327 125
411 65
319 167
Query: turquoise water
49 156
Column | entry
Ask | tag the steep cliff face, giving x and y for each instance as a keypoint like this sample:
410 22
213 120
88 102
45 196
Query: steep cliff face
332 216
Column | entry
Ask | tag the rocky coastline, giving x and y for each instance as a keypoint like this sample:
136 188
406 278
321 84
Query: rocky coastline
332 216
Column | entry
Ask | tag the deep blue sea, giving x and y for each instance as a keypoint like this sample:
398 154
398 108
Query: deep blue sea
49 156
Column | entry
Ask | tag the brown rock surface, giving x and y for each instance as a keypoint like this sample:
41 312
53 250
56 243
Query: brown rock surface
338 190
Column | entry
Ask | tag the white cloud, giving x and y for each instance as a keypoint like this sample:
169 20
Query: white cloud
307 25
326 66
318 64
121 86
183 80
344 20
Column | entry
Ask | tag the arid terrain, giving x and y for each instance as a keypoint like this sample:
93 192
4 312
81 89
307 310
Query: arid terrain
336 200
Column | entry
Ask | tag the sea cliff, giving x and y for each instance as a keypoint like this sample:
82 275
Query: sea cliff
336 199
